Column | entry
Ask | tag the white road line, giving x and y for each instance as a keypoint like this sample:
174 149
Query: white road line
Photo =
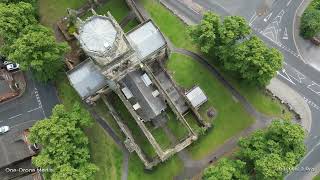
268 17
317 91
34 109
15 116
253 18
286 76
289 2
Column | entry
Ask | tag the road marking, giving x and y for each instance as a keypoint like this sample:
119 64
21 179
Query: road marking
34 109
312 104
289 2
253 18
278 18
285 34
286 76
15 116
316 90
268 17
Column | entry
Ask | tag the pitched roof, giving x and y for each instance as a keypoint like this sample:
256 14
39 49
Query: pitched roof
150 105
12 145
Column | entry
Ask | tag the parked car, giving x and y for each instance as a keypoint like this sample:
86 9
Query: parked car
13 66
4 129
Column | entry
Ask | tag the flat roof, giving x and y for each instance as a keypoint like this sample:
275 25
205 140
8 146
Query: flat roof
97 34
86 78
146 39
196 96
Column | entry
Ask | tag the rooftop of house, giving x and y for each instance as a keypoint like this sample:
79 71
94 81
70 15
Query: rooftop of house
146 39
138 86
13 147
196 96
87 78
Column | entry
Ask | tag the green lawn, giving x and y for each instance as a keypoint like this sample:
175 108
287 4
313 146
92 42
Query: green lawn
104 152
52 10
163 171
317 177
169 24
176 127
119 10
103 111
231 117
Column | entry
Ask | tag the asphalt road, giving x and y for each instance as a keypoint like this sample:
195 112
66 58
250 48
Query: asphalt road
272 21
35 104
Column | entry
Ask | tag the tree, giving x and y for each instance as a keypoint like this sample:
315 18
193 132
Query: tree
13 19
272 152
207 32
310 23
229 41
226 170
271 166
17 1
65 146
254 61
37 50
213 35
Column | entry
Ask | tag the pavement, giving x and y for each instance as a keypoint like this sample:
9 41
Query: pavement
273 22
293 100
35 104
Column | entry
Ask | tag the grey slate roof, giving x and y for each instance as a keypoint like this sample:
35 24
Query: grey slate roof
150 105
146 39
87 78
12 146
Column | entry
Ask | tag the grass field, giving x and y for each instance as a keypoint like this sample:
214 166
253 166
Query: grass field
169 24
231 117
103 111
163 171
104 152
317 177
51 10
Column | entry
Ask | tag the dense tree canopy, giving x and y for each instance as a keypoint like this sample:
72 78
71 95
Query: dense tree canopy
310 23
254 61
17 1
212 34
13 19
226 169
230 42
38 51
65 146
266 154
274 150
